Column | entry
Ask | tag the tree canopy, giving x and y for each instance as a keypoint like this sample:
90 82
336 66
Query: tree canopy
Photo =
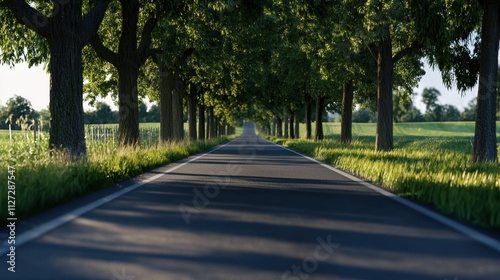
272 61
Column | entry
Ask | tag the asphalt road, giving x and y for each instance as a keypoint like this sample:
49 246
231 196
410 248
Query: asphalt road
248 210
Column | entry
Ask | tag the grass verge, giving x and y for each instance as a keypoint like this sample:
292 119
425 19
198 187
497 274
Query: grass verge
43 182
434 171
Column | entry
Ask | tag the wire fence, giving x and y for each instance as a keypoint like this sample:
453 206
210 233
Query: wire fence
148 136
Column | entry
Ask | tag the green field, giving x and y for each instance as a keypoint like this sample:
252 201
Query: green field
427 129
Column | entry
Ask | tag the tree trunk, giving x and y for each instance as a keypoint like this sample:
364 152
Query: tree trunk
308 116
292 119
218 125
297 126
384 140
485 142
346 126
201 122
166 116
230 130
66 97
320 107
285 117
192 112
279 126
222 128
211 120
128 73
208 123
273 127
177 109
128 128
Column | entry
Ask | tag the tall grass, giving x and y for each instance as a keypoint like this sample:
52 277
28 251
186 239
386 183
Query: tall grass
434 171
43 181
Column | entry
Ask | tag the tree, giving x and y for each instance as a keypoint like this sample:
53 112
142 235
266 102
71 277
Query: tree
434 111
154 113
430 98
450 113
16 106
485 139
363 116
473 23
66 32
389 34
143 112
411 114
404 111
132 51
469 113
101 115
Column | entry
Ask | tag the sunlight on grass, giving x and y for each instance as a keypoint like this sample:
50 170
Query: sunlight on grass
433 170
43 181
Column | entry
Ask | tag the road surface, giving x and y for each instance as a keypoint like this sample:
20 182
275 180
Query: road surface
248 210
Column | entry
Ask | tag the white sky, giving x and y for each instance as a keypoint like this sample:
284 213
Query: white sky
33 84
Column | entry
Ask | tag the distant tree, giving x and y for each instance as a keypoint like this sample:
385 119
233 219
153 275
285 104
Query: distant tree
434 111
404 111
412 114
44 117
17 106
154 113
143 112
450 113
104 114
363 116
101 115
469 113
430 98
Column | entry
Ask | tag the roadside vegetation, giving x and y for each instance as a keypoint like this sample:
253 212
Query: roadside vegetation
436 171
43 181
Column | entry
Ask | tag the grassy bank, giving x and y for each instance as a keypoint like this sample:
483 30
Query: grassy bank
43 182
436 171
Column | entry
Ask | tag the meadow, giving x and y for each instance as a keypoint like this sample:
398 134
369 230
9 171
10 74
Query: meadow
431 164
42 181
425 129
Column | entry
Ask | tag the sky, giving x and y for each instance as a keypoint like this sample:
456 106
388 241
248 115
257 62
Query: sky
34 84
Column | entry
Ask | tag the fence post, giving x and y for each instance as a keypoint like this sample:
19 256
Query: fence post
35 128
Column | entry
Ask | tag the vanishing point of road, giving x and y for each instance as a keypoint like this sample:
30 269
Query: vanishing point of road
246 210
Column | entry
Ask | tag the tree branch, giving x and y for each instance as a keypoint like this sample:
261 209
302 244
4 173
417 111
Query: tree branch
415 47
93 19
29 17
103 52
372 48
184 56
154 52
144 46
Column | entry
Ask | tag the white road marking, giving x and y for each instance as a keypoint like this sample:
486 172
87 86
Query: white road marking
470 232
61 220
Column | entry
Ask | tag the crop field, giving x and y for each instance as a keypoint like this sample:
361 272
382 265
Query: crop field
43 181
